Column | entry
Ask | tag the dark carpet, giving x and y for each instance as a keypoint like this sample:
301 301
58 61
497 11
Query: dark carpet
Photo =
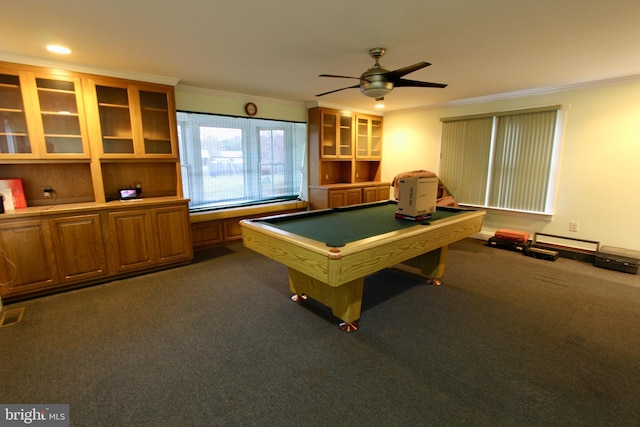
507 340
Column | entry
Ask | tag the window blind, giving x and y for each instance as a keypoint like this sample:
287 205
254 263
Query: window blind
501 160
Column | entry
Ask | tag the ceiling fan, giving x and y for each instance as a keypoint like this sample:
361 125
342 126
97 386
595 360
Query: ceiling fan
377 81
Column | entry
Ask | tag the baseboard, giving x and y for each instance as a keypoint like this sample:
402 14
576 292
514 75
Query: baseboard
482 235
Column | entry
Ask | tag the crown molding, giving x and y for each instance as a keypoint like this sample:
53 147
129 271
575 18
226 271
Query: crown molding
324 104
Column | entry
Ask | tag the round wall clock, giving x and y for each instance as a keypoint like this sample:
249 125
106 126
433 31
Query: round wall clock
251 109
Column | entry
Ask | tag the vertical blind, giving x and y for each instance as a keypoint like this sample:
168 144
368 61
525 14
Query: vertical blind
500 160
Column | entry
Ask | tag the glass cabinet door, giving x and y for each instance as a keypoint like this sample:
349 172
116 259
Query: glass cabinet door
328 135
362 137
156 130
115 120
368 138
335 135
135 122
345 136
61 120
376 138
14 135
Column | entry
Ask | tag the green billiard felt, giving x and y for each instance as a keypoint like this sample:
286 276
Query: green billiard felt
345 225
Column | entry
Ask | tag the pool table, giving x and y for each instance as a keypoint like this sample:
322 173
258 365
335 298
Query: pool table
329 252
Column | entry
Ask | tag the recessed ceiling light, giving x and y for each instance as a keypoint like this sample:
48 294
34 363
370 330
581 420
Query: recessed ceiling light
58 49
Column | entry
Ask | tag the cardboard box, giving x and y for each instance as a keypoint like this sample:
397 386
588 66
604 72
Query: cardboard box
417 196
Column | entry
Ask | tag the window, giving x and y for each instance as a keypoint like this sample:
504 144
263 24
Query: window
504 160
234 161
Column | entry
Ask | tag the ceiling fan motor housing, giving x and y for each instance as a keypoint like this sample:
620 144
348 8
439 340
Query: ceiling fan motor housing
374 82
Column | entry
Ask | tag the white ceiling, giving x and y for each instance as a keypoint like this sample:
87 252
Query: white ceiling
277 48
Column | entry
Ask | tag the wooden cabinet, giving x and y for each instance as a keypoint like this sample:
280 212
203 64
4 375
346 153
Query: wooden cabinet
345 158
376 193
172 231
335 134
133 137
74 132
94 244
350 196
131 244
42 115
131 120
27 259
79 247
337 195
86 137
44 254
142 238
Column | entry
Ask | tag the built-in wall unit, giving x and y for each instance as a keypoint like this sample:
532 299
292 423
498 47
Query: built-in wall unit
69 143
345 158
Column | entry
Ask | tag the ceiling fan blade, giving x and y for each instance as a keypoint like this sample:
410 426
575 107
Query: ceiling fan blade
415 83
337 90
400 72
340 77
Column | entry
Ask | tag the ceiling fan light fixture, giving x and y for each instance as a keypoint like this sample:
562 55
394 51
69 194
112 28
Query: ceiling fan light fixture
62 50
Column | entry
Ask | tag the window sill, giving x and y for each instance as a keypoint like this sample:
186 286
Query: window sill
266 209
509 212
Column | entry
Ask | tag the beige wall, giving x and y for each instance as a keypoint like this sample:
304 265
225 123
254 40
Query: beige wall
208 101
599 170
598 174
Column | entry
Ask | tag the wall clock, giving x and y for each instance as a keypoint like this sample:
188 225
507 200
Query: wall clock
251 109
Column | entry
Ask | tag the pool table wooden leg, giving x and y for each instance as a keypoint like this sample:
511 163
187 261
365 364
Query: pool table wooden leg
431 265
345 300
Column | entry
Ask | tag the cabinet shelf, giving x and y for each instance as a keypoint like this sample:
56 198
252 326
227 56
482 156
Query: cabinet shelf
11 110
105 105
56 91
156 110
59 113
59 135
116 138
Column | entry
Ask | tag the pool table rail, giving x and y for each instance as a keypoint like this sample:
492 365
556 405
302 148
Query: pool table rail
365 256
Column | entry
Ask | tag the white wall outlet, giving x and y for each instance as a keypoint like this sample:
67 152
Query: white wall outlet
574 226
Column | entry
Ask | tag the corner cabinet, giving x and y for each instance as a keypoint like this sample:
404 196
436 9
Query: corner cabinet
85 137
345 157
